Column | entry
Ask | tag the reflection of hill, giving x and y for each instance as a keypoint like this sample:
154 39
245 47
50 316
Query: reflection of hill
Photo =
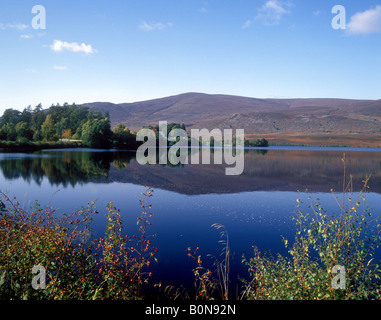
275 170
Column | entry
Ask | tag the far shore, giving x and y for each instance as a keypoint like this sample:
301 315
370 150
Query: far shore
321 140
275 140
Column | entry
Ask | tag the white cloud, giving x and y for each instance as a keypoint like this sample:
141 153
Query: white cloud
26 36
59 46
247 24
365 22
154 26
269 14
204 8
17 26
60 68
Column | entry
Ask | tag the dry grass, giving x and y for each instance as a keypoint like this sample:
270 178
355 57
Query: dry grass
351 140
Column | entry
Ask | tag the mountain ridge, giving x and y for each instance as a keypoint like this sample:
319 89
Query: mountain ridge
275 117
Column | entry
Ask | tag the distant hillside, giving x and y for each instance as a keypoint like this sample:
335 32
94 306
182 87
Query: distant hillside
326 118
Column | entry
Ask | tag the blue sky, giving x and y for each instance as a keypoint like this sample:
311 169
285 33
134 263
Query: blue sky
132 50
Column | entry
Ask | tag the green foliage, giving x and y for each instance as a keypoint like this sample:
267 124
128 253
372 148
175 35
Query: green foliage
124 138
322 241
10 116
48 129
62 125
170 127
97 133
8 132
259 143
24 131
49 125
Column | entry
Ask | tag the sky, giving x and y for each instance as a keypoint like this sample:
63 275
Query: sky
57 51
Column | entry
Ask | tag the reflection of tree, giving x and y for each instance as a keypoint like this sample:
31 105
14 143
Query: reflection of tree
63 167
22 167
257 151
119 164
272 170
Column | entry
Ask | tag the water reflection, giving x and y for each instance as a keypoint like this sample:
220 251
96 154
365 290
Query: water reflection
254 206
59 167
268 170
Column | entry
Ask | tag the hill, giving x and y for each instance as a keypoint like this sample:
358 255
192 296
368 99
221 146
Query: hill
296 121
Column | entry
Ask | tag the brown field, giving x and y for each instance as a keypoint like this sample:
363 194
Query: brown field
354 140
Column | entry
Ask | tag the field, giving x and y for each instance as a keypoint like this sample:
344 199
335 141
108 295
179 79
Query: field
348 140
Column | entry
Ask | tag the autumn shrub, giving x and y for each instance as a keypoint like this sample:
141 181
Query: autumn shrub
77 265
205 283
210 283
123 261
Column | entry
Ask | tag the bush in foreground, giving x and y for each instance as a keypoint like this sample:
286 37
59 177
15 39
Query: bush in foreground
348 239
77 266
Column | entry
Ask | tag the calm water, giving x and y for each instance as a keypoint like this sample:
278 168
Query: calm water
257 207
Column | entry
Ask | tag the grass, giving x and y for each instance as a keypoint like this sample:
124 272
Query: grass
16 146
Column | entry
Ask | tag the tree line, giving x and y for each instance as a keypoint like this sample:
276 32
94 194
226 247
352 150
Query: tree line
73 122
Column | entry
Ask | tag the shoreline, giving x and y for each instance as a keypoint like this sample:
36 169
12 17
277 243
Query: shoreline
33 148
13 146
